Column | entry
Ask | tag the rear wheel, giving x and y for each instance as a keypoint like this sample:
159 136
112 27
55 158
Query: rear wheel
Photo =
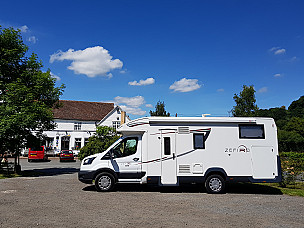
104 182
215 184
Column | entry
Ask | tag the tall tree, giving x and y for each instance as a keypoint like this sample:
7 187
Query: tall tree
245 102
159 110
27 94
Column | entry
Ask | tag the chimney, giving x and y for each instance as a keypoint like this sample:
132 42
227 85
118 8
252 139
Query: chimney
123 117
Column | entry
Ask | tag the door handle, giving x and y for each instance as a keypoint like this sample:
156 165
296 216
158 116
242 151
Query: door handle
135 159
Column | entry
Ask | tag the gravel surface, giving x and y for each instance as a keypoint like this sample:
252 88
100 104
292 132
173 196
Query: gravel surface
60 200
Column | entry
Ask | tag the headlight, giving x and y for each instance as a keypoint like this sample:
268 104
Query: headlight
88 161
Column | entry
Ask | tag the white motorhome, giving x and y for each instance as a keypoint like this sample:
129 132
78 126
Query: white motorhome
170 151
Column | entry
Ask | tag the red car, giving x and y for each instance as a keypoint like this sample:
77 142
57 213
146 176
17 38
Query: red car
66 155
37 154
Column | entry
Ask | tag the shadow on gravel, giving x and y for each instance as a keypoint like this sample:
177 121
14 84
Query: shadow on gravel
49 172
237 188
249 188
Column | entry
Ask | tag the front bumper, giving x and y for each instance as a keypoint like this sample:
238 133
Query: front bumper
86 176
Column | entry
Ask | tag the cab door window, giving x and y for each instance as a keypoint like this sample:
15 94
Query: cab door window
125 148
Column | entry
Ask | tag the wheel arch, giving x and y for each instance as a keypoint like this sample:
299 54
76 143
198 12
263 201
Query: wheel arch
107 170
218 171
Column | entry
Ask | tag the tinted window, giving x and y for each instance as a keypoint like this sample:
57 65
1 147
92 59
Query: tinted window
37 148
252 132
198 141
125 148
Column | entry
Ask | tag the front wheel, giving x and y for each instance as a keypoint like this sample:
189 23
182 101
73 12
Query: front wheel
215 184
104 182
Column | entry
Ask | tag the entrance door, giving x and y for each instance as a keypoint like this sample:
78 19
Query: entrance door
65 143
168 157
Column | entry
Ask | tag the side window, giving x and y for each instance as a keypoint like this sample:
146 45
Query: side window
251 132
125 148
167 147
198 141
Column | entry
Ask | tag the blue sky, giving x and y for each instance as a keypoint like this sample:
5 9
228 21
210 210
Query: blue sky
193 55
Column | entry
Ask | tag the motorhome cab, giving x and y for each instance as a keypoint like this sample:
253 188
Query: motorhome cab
170 151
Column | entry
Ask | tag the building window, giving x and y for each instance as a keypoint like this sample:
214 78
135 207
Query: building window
86 141
49 141
115 124
77 143
77 126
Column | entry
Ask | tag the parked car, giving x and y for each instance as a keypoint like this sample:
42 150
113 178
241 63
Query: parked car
37 154
66 155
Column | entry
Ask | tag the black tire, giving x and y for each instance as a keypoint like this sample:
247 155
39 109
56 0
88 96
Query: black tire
104 182
215 184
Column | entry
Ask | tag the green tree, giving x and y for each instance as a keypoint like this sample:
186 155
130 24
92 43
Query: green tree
103 138
27 94
290 141
245 102
296 108
159 110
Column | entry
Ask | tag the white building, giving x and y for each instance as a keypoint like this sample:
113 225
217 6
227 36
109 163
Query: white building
77 121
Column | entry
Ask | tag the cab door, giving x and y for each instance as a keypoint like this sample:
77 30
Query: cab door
126 158
168 157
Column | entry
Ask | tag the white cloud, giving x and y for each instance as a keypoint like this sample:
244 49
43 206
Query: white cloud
133 110
293 59
55 76
148 81
278 75
24 29
93 61
149 106
277 50
280 51
32 39
185 85
131 104
263 90
123 71
220 90
130 101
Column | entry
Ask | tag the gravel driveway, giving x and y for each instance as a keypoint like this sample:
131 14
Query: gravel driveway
60 200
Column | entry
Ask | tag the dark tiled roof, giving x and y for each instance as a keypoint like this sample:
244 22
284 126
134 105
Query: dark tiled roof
82 110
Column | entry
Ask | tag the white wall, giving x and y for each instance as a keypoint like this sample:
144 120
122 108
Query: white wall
65 128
